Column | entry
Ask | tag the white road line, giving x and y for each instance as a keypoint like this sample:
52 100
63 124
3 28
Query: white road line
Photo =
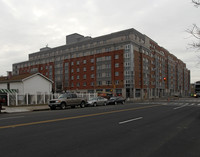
181 106
11 117
130 120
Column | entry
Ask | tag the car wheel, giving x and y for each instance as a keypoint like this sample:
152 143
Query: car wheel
82 104
104 103
123 102
52 107
62 106
95 104
115 102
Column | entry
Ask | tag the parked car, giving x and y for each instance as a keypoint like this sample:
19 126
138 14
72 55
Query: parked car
67 99
97 101
197 95
116 100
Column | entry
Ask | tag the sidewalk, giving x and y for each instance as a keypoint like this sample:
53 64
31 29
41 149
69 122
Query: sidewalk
15 109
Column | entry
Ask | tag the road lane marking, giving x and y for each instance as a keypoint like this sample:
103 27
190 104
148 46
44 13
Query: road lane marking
181 106
76 117
11 117
130 120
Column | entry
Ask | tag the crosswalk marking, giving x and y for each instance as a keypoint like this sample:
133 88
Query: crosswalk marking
173 103
180 107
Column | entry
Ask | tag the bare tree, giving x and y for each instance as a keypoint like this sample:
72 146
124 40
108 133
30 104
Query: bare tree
195 31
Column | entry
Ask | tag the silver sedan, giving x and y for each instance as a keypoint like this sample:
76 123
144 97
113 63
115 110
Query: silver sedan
97 101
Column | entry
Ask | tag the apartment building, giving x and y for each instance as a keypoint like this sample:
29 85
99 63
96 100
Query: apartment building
126 63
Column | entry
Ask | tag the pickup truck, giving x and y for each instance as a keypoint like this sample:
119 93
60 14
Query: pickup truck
67 99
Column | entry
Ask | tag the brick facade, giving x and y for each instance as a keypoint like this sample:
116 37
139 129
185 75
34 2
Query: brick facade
125 62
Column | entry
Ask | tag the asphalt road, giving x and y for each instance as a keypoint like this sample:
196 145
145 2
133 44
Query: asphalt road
156 129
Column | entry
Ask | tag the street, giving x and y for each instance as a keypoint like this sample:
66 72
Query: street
142 129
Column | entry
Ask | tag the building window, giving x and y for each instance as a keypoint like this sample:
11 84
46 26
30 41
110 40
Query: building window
92 83
72 70
78 77
117 48
84 76
127 55
137 93
108 66
99 67
78 84
108 74
72 78
91 52
116 73
92 68
92 76
108 82
127 72
117 82
78 62
84 84
78 70
99 83
119 92
116 65
84 69
127 64
84 61
106 49
99 59
127 47
99 75
116 56
98 51
107 58
72 63
92 60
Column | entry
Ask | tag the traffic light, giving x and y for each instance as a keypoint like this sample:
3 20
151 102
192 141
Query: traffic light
164 78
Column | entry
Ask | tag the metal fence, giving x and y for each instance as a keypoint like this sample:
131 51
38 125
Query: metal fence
14 99
87 95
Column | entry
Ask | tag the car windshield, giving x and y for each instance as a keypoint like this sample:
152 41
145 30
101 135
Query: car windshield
93 99
63 96
113 98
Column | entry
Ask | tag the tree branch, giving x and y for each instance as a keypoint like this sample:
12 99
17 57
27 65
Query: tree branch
195 32
196 3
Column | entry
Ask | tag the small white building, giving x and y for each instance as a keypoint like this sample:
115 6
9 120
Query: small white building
27 84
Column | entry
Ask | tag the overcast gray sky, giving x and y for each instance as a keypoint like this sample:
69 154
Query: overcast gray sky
28 25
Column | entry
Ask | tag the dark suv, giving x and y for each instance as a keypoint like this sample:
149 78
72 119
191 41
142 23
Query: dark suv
116 100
